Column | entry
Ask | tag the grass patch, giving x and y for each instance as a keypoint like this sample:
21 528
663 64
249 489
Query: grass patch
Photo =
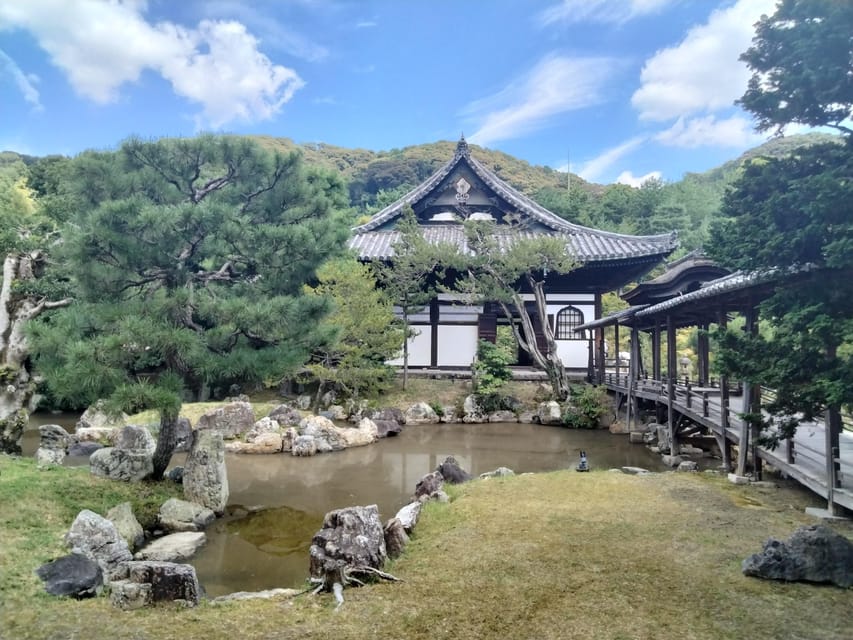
555 555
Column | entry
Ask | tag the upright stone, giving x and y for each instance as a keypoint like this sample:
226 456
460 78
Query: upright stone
231 420
350 538
53 445
127 525
205 476
97 538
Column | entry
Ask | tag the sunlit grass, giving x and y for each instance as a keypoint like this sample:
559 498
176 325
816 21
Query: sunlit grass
556 555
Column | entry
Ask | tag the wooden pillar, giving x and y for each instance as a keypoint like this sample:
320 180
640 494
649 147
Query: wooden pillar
703 355
671 372
590 364
656 351
832 424
616 348
633 376
725 449
600 340
751 405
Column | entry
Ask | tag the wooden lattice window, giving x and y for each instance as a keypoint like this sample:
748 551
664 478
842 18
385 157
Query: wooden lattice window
567 319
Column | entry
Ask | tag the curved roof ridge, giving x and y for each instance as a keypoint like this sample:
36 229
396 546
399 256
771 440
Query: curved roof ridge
548 217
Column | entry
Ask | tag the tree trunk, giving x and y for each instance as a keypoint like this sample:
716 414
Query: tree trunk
550 361
17 385
167 440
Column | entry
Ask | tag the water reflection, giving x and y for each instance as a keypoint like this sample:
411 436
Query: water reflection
288 496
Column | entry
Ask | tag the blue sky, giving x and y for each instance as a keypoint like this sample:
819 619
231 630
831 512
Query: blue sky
623 89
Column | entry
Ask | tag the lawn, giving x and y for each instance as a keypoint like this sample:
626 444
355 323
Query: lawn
557 555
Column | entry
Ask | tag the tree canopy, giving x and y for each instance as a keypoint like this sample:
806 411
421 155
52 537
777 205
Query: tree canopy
801 60
792 216
189 256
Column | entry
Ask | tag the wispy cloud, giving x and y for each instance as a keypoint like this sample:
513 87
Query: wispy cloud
709 131
25 83
702 74
600 11
366 24
595 169
626 177
101 46
556 85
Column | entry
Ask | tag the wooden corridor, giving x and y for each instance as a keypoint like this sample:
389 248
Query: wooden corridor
803 458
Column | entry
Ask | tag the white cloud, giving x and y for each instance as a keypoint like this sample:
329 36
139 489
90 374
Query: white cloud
103 45
601 11
555 85
594 169
366 24
626 177
702 73
25 83
736 132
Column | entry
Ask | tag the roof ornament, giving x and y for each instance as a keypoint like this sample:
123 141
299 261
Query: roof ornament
462 147
462 189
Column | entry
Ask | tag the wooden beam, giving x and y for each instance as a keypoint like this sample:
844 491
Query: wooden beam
671 372
725 445
656 351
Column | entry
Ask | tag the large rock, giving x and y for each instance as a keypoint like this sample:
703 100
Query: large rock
95 417
812 554
366 433
127 525
260 443
129 465
304 446
175 547
351 537
396 538
183 435
662 431
53 444
11 430
262 426
421 413
97 538
327 436
387 413
502 416
550 413
83 449
500 472
205 475
408 515
181 515
430 484
452 472
133 437
74 575
149 582
231 420
286 416
102 435
387 428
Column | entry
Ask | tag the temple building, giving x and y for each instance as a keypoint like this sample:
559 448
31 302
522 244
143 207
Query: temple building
464 189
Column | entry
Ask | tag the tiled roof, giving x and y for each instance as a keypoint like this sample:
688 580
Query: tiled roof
587 244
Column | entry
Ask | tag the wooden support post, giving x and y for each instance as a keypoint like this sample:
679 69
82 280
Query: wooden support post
633 376
670 382
616 349
703 355
832 423
725 449
591 358
600 339
656 351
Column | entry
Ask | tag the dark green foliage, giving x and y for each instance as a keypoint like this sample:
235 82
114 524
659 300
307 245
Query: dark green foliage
793 216
190 256
491 368
587 403
801 59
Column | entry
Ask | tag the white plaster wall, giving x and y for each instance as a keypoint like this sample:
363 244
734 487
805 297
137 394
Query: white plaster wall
420 349
457 345
574 353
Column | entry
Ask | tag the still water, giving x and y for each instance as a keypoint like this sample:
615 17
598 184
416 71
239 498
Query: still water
277 502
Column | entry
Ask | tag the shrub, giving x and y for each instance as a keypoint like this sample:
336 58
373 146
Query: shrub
587 403
491 368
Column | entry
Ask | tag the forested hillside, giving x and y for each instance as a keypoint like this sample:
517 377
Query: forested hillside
376 179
